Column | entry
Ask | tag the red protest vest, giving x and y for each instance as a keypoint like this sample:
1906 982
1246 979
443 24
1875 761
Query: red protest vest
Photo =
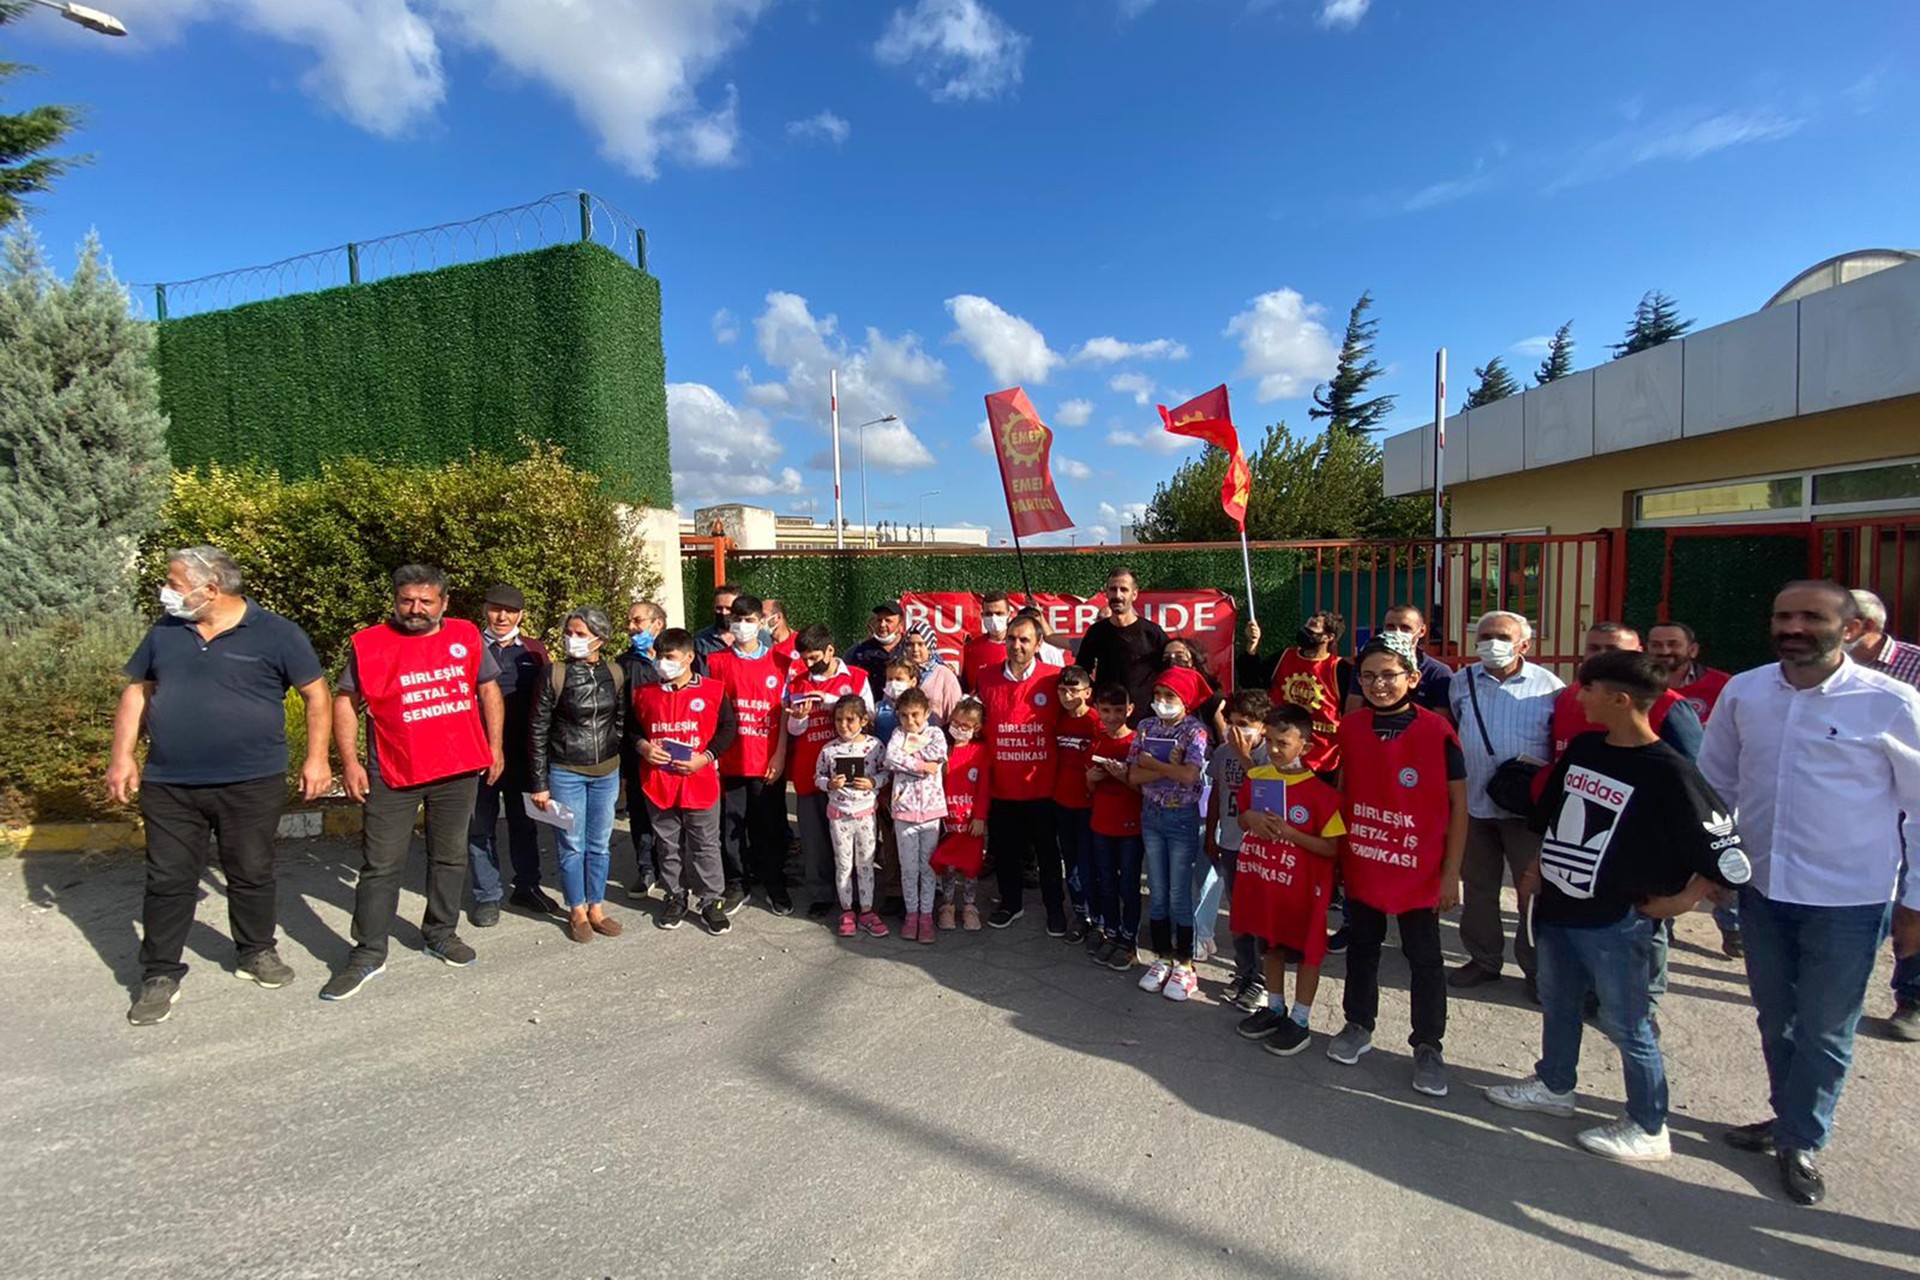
423 700
1396 803
754 685
1019 724
966 788
1116 806
1704 692
1569 721
803 748
1280 891
689 714
1314 685
980 654
1073 751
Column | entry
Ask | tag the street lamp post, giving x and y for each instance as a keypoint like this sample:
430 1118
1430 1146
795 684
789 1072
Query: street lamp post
80 15
865 530
931 493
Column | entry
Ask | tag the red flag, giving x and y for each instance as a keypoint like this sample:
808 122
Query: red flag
1024 446
1207 417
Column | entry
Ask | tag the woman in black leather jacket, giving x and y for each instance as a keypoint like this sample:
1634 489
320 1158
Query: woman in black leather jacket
575 762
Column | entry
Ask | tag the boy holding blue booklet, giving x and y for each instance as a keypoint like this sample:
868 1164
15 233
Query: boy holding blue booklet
1291 824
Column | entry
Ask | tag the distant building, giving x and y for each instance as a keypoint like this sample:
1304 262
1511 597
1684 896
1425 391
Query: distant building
759 529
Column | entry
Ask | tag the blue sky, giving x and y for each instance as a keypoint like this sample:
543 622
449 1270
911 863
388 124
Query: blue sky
1113 202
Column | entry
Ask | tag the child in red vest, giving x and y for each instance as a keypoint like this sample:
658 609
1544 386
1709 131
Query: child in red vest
753 804
1114 822
684 725
1405 803
1073 737
1290 824
963 831
849 773
916 759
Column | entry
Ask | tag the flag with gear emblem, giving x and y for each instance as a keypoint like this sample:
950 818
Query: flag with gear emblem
1207 417
1024 446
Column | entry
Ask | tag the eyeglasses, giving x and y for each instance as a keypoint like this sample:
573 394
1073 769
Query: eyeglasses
1382 677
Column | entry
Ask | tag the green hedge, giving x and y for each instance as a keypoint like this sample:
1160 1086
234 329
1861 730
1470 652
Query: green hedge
561 344
1723 587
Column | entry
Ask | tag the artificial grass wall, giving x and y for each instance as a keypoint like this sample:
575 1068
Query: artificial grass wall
560 344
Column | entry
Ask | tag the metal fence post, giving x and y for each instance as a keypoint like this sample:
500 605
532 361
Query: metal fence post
160 301
353 263
586 216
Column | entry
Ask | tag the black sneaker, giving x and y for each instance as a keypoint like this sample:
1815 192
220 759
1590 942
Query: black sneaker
1288 1039
1337 943
484 915
1056 925
1104 952
714 917
349 980
641 889
265 968
1123 957
1253 997
1004 916
673 913
1732 945
780 902
1097 940
1231 993
536 902
1078 930
734 899
452 951
1261 1023
153 1003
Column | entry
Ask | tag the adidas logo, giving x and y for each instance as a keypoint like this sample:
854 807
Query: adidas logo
1719 824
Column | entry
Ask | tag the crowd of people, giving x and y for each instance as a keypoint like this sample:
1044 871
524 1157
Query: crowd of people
1318 796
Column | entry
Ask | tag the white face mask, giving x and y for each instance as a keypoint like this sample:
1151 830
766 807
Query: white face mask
506 637
176 605
579 646
1498 654
960 736
896 687
745 632
670 669
1168 710
994 623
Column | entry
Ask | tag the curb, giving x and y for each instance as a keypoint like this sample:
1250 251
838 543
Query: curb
332 822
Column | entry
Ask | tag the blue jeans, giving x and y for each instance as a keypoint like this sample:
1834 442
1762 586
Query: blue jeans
1171 838
1116 884
1206 903
1906 972
1808 968
583 851
1615 963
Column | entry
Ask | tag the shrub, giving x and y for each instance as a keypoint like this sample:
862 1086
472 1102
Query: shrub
321 550
59 684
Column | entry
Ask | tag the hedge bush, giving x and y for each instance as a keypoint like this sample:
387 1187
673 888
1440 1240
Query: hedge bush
322 549
561 344
59 684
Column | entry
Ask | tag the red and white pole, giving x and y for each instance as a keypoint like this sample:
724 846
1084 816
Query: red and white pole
839 516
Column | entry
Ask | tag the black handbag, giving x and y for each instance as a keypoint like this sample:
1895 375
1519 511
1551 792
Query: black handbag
1511 786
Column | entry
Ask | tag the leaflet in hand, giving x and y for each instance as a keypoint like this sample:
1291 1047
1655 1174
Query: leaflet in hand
1268 795
850 767
555 815
1160 749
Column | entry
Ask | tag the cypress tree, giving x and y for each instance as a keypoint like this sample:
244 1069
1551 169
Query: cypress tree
1655 320
26 136
1495 384
1342 402
1559 361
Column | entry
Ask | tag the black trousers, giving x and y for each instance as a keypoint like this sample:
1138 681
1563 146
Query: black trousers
1420 941
646 852
753 832
384 842
1015 828
182 825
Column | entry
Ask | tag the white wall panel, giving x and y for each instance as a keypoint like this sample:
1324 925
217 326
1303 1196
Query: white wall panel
1499 432
1743 372
1560 420
1408 462
1636 401
1459 450
1861 341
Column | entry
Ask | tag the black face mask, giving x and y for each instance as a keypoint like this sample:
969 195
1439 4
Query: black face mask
722 618
819 669
1406 700
1308 640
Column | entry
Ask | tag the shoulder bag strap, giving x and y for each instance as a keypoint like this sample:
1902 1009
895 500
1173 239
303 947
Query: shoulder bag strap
1473 696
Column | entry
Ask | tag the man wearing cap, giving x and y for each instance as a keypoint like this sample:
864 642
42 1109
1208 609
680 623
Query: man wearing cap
521 660
872 654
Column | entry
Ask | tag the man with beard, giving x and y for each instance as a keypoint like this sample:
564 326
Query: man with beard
1124 647
1796 747
429 687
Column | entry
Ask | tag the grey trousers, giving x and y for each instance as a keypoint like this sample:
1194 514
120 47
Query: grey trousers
1496 848
687 847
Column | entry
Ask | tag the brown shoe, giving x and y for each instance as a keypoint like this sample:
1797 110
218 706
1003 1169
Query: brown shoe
580 930
606 927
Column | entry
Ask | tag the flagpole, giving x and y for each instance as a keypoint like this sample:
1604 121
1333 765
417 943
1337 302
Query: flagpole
1438 604
1246 562
839 517
1020 554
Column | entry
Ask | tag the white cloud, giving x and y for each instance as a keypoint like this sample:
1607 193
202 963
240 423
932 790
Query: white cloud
1071 468
1127 513
1284 344
1014 351
1131 9
823 126
960 50
983 439
1154 441
1074 413
1538 345
726 326
1137 385
1677 138
720 452
1113 350
1343 13
881 376
630 68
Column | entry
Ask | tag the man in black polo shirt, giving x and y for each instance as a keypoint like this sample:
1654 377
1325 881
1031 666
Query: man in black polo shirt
523 664
1124 647
210 683
1436 677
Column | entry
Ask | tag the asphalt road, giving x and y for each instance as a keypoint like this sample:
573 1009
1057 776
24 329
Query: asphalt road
781 1102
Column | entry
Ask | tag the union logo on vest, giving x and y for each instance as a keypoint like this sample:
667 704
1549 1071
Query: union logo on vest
1409 777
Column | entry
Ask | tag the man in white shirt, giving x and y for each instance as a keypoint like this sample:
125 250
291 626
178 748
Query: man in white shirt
1504 707
1798 747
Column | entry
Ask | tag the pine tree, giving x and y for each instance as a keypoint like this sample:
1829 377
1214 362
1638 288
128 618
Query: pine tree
83 460
1341 401
1655 320
1559 361
1495 384
25 137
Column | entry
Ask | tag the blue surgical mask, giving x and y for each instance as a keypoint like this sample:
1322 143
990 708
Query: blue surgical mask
643 642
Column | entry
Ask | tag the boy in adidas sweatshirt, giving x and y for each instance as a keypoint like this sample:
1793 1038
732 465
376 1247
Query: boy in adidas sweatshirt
1635 835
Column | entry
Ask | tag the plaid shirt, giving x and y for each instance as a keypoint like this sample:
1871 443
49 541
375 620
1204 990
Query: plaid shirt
1899 660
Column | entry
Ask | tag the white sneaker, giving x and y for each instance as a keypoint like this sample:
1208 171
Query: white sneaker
1624 1139
1182 983
1156 976
1531 1095
1204 949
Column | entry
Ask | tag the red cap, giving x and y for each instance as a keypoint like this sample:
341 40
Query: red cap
1186 682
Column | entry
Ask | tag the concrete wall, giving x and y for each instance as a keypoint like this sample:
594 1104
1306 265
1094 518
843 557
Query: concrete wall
658 531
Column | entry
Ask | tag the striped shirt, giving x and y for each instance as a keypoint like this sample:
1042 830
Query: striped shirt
1519 716
1898 659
